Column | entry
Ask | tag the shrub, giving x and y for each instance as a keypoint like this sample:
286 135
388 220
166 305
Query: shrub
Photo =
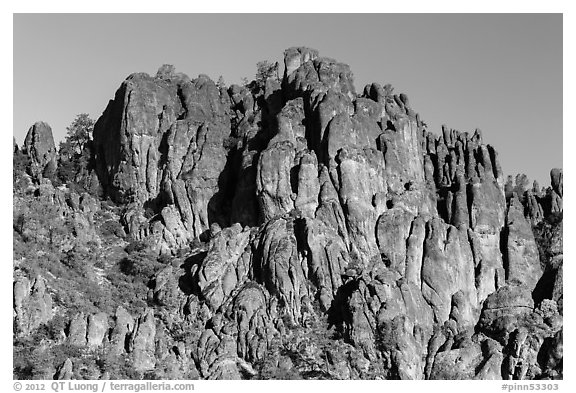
135 246
76 259
20 166
231 142
140 266
55 327
20 163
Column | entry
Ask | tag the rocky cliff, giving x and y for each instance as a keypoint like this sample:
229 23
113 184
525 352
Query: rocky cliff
318 232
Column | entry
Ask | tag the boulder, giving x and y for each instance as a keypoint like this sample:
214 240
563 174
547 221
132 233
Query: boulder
457 363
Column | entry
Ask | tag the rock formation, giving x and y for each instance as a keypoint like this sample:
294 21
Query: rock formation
32 304
39 146
317 206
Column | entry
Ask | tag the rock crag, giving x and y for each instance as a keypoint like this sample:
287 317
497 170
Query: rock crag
320 230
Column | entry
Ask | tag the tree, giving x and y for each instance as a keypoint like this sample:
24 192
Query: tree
20 165
75 148
221 84
78 136
264 70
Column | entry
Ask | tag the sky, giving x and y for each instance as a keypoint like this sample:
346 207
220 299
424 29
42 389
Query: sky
501 73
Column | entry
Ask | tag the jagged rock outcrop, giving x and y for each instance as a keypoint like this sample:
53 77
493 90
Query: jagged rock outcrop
308 208
542 203
225 267
522 253
39 146
124 324
273 185
66 371
142 344
160 143
77 330
97 328
557 181
32 304
448 269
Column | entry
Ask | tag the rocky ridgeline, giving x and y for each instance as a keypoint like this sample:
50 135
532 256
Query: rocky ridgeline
320 206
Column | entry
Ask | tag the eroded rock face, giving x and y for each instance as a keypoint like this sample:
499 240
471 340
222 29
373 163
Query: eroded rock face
40 147
447 269
32 304
522 256
160 143
66 371
225 267
142 344
457 363
77 330
557 181
273 180
503 308
97 328
281 269
320 208
124 325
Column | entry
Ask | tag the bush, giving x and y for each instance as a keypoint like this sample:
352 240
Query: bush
135 246
20 163
231 142
76 259
55 327
165 259
20 166
32 360
139 266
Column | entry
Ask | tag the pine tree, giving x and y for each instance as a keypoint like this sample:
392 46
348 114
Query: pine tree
79 134
74 150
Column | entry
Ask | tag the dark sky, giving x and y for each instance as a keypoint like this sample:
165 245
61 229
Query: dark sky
501 73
